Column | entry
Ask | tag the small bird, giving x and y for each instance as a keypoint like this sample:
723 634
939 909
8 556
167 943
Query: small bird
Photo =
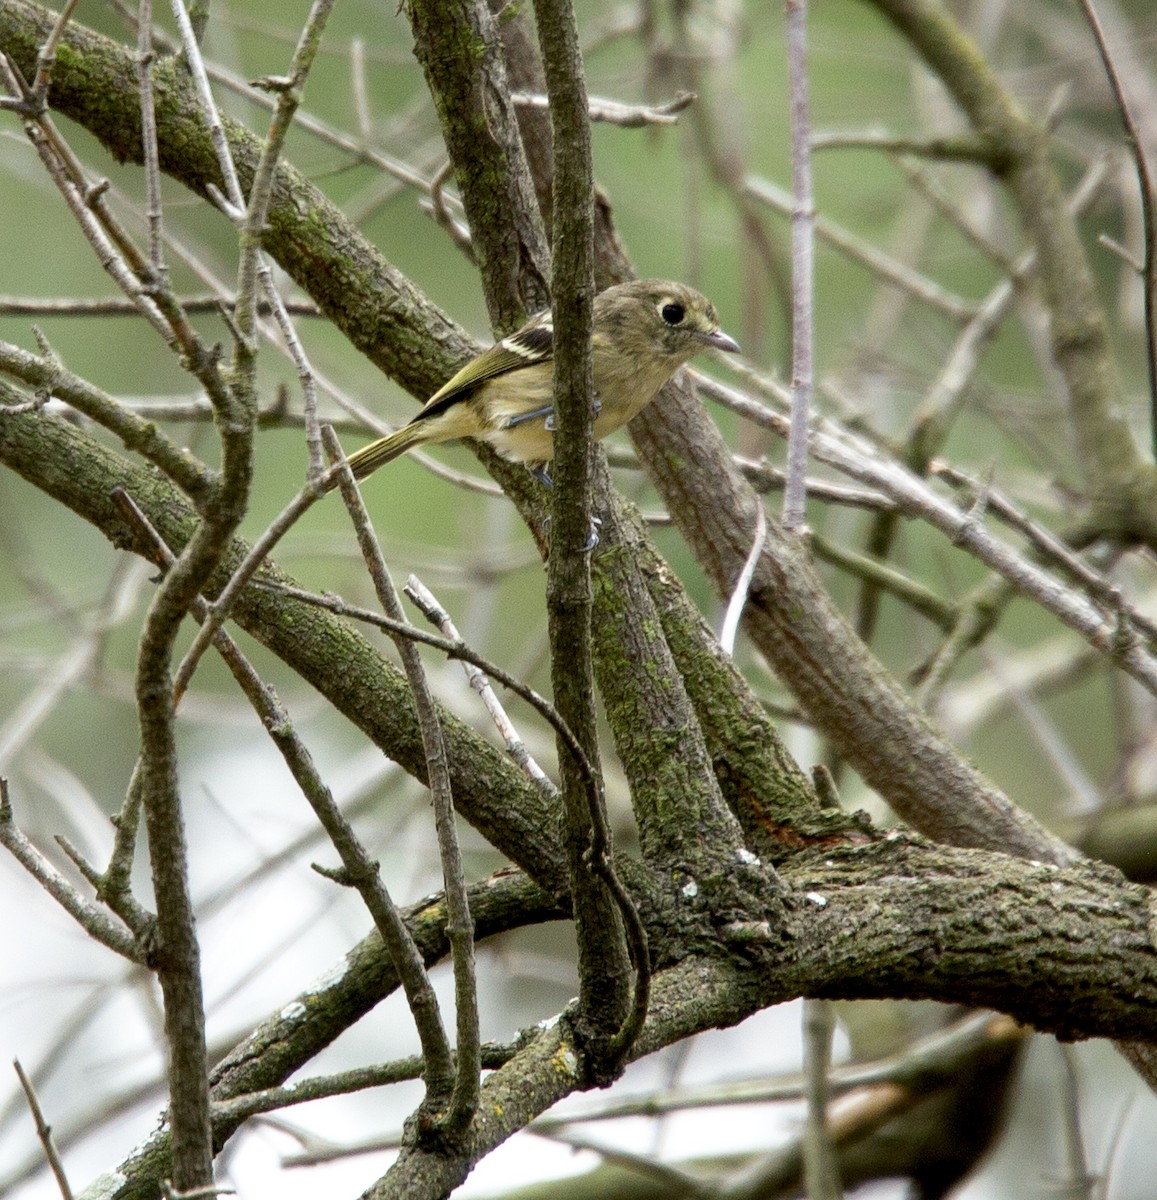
643 332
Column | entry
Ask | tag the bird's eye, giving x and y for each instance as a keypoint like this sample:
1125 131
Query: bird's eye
672 313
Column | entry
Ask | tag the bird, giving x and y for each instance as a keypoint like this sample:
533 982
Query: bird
643 331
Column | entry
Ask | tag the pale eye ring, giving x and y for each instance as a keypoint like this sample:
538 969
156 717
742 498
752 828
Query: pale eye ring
672 313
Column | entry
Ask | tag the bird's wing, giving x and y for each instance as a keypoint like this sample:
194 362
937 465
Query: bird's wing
532 344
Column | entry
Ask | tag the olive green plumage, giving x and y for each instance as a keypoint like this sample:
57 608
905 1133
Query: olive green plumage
643 332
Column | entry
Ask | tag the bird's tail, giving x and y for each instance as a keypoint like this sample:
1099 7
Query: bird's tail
365 461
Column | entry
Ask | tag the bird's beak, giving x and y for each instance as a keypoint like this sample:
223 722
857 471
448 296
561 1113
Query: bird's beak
721 341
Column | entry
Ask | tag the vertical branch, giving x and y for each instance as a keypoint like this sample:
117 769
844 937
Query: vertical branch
149 137
802 282
821 1169
604 968
1148 217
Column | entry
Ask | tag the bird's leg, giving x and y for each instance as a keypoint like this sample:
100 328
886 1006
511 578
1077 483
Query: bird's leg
546 411
543 476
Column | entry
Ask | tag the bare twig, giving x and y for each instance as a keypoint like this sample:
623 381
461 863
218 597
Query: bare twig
444 218
310 493
452 649
149 137
946 149
89 916
120 306
1148 200
802 269
43 1129
916 499
464 1072
821 1170
515 747
739 594
82 199
613 112
233 201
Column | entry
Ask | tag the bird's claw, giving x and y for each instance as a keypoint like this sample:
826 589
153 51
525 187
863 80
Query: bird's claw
550 423
592 534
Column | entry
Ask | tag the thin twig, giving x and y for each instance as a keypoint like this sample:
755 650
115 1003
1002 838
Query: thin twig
960 148
614 112
89 916
120 306
1148 216
44 1130
742 587
301 1091
46 59
234 199
465 1071
310 493
81 199
821 1170
803 215
152 162
433 611
459 233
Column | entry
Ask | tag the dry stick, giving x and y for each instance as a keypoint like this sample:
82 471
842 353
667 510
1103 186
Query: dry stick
742 588
89 916
463 1098
960 148
1148 217
433 611
821 1169
43 1129
190 44
62 170
802 269
908 591
1049 547
318 1087
361 870
151 156
119 306
614 112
